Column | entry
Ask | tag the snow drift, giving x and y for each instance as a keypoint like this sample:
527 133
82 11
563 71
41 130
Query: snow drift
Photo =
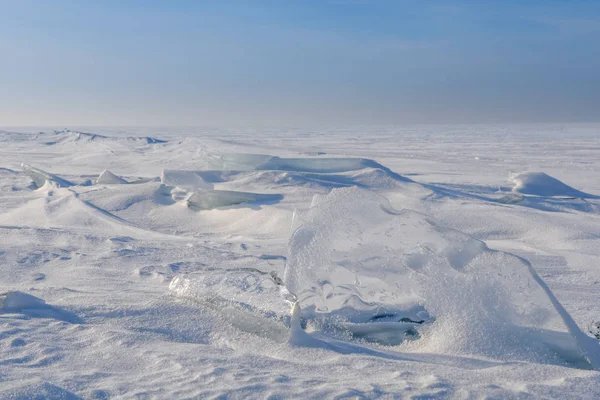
543 185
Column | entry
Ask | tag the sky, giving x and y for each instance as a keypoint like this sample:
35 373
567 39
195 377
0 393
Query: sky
298 62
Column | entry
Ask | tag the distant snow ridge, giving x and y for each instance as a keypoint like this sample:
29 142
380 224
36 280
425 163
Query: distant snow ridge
69 136
543 185
108 178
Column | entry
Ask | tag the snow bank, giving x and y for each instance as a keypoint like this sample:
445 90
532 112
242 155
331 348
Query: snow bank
541 184
42 178
210 199
108 178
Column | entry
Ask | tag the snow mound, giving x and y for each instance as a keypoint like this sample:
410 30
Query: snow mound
108 178
543 185
210 199
186 180
353 255
42 178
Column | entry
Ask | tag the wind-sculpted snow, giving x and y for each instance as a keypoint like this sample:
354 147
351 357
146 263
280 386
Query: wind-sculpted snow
541 184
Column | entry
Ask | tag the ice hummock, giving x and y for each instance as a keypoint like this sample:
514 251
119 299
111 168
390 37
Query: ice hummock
353 256
42 178
108 178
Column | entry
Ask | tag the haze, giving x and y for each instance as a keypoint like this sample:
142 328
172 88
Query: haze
298 62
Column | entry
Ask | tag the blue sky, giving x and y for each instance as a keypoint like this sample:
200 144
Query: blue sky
294 63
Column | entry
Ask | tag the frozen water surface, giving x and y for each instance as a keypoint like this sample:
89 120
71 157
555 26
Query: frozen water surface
371 263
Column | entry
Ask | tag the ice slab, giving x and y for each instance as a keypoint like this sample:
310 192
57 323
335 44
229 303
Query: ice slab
186 180
211 199
263 162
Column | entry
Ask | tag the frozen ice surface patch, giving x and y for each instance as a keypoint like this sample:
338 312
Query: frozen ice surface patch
541 184
246 298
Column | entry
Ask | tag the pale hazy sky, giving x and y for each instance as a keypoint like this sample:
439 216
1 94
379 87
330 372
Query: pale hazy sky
286 62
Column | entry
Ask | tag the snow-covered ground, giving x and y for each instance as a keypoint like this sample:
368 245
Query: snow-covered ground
420 262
